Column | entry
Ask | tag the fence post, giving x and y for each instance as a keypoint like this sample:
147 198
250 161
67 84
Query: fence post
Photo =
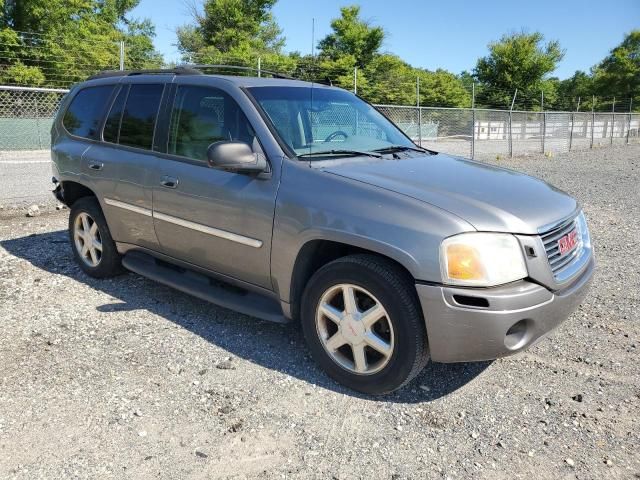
571 131
355 80
510 136
121 55
38 121
473 133
613 120
259 67
629 127
593 119
420 126
544 130
473 120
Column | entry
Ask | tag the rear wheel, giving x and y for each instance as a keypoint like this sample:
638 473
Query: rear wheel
362 322
91 242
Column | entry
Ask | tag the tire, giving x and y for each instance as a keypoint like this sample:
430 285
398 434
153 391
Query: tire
401 327
108 262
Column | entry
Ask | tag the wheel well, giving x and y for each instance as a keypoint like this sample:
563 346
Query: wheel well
73 191
314 255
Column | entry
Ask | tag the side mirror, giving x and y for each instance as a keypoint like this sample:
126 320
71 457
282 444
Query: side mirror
235 157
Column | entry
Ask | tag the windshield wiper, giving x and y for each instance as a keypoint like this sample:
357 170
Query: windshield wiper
350 153
402 148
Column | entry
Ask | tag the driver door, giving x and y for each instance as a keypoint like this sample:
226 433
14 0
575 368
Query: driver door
218 220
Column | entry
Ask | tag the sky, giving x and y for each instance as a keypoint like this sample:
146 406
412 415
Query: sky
433 34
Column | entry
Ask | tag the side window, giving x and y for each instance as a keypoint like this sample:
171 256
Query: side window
84 115
112 125
202 116
139 116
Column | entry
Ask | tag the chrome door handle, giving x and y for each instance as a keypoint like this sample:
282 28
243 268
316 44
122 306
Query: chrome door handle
96 166
169 182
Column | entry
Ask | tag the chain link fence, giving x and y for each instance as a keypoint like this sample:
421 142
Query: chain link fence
483 134
26 115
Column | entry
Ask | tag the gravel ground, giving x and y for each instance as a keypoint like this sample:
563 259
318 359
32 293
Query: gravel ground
125 378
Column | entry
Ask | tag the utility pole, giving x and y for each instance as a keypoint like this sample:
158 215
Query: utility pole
259 67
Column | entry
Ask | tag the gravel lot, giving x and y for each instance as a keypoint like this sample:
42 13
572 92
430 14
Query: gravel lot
125 378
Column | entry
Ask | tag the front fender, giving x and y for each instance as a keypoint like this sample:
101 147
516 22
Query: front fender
315 205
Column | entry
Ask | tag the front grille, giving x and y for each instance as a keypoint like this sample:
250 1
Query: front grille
559 262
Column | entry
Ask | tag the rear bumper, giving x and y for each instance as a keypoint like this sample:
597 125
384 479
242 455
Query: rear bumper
57 191
517 316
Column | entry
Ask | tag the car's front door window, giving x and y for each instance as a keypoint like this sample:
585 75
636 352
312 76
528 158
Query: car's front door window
202 116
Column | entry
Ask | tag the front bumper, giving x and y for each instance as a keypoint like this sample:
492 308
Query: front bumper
466 325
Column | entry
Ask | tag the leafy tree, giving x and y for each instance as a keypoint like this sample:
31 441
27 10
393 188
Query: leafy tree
443 89
67 41
519 60
230 28
394 81
619 73
352 36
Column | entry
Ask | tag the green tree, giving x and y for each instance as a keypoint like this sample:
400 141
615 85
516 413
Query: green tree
67 41
232 29
390 81
619 73
519 60
444 89
352 36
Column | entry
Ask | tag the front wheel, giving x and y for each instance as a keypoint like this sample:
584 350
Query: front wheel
362 322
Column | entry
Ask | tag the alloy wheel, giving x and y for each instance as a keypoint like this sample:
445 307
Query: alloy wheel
355 329
88 242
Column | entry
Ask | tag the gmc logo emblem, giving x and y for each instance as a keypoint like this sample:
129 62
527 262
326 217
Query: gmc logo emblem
567 242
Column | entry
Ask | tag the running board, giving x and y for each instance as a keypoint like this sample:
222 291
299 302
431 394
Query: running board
205 288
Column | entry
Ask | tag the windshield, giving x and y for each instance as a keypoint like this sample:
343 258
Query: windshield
322 120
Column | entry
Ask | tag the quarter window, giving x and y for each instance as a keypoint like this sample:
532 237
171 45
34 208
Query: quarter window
139 116
112 125
84 115
202 116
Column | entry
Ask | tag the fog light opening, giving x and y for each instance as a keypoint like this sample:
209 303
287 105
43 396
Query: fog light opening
517 336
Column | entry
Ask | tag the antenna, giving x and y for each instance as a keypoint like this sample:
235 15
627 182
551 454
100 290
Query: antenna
313 68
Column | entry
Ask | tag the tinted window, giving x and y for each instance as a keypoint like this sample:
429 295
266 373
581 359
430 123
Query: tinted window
202 116
83 116
112 125
139 117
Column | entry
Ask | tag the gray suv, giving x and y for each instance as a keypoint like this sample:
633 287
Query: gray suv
287 200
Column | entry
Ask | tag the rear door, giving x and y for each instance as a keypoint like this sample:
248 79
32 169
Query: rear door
82 123
127 155
212 218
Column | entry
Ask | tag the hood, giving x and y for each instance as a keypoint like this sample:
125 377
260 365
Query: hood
489 198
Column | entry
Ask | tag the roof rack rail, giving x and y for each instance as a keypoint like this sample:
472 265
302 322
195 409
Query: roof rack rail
199 67
180 70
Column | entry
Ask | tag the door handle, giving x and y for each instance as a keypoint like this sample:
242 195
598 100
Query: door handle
96 165
169 182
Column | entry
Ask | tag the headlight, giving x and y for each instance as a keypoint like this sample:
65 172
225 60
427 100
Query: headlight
481 259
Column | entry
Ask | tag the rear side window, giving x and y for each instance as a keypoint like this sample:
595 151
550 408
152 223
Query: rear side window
139 116
84 115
